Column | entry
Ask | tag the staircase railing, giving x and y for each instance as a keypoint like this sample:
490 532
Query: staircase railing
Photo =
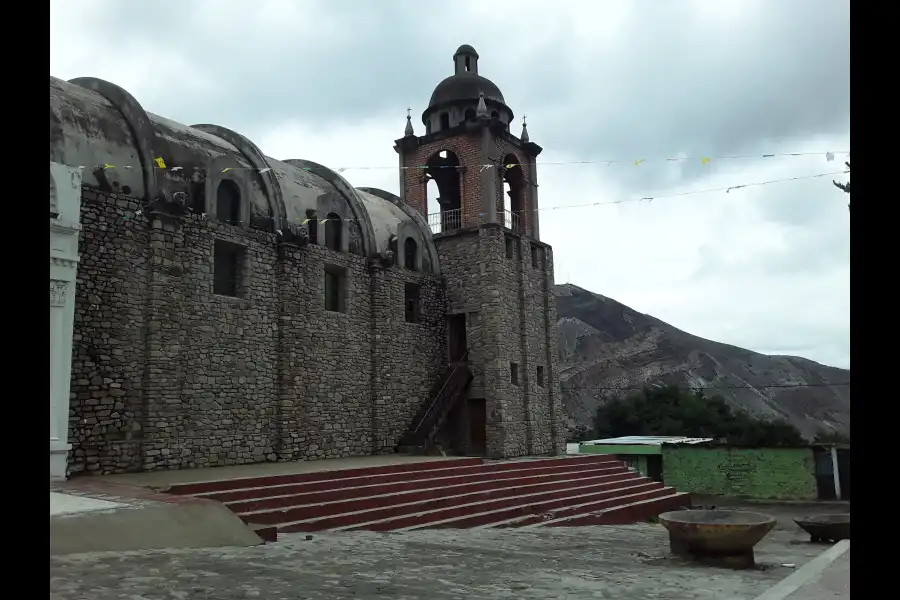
453 384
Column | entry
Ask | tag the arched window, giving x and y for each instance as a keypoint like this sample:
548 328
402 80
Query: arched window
444 204
514 184
333 230
470 113
410 251
445 121
495 114
228 202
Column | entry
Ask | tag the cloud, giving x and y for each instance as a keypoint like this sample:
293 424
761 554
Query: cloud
763 267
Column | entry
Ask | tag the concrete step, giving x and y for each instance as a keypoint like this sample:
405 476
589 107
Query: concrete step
297 495
395 504
638 491
287 484
436 513
634 512
588 511
629 510
205 487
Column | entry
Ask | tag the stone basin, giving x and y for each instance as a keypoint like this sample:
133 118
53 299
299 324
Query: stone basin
826 528
721 537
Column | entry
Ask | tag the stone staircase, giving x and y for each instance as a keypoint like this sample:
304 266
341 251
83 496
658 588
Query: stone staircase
449 390
457 493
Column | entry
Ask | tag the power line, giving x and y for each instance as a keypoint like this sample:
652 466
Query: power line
160 164
727 190
704 160
715 387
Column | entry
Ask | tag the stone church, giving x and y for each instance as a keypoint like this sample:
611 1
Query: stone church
230 308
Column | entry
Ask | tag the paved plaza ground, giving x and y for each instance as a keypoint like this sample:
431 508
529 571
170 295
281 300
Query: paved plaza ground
622 562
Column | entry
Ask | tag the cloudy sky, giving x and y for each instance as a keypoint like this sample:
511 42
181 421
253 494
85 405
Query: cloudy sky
764 267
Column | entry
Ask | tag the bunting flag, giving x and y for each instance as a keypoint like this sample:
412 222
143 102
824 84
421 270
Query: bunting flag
727 190
705 160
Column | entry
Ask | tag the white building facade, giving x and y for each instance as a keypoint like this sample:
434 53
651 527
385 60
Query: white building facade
65 215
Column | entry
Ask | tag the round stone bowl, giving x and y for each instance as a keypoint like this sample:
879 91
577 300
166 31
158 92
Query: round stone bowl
712 532
826 528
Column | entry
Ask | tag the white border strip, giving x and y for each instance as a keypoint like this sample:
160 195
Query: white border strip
805 574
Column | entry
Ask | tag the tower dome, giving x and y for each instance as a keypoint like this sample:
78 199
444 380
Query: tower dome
455 99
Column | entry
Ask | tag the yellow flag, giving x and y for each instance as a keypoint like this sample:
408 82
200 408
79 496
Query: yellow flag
705 161
323 221
510 166
160 163
304 221
109 166
226 169
638 162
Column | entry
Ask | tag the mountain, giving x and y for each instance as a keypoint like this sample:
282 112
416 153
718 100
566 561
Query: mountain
604 345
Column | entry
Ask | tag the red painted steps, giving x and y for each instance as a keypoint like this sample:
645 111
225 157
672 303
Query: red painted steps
206 487
443 475
460 493
487 513
634 512
370 496
389 506
640 505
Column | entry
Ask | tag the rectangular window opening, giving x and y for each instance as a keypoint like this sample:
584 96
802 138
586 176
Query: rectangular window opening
534 257
411 302
510 250
514 373
335 289
228 269
540 376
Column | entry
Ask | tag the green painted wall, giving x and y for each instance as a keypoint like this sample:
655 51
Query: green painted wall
773 473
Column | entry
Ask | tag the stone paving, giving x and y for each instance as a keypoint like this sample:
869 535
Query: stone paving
625 563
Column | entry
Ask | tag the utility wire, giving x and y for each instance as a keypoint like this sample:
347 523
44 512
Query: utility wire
714 387
727 190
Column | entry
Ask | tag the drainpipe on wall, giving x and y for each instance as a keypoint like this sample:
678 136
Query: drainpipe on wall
835 470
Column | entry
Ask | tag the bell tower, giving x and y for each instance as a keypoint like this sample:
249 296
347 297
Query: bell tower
501 314
469 152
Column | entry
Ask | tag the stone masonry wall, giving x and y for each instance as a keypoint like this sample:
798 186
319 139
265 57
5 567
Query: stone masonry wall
512 303
106 412
168 375
765 473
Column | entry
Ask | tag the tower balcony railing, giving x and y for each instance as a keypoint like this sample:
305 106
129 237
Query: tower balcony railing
511 220
449 220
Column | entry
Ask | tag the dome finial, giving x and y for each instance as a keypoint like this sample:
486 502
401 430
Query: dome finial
409 128
465 60
524 137
481 111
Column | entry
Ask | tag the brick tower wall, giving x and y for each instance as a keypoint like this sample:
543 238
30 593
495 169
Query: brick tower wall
467 146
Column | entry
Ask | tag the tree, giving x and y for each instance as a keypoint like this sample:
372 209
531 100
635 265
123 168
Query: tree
579 433
845 187
673 411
